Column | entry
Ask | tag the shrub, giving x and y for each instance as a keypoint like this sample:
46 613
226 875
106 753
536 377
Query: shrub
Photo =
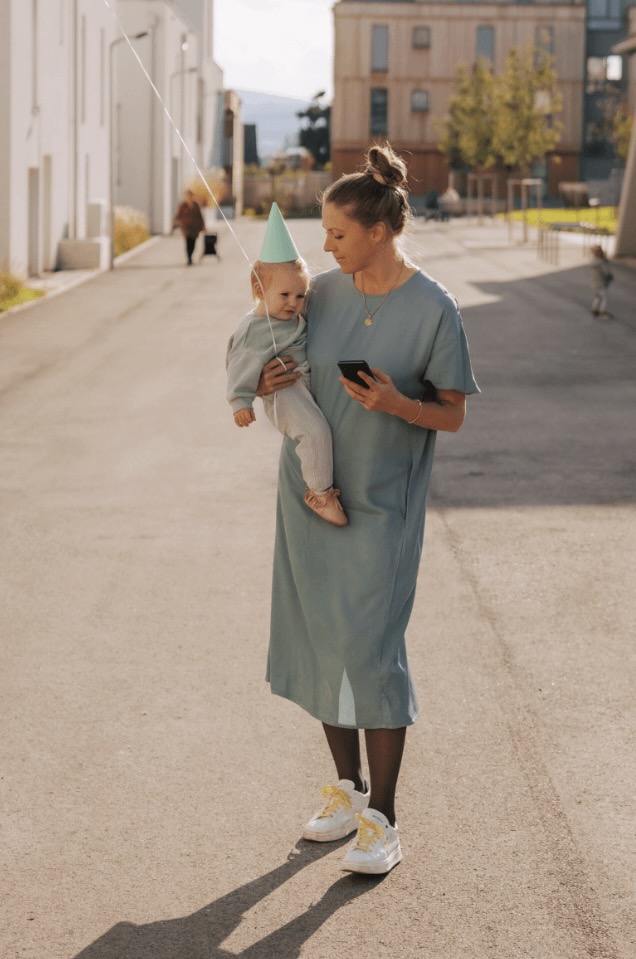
131 229
10 285
13 292
214 181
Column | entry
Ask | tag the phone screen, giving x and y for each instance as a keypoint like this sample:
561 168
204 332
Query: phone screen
351 368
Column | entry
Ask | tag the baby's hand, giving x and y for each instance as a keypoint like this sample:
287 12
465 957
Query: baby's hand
244 417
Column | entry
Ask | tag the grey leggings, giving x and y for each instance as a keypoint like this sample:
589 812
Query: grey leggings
294 412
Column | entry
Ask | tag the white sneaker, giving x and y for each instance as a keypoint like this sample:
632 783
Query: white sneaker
376 847
337 816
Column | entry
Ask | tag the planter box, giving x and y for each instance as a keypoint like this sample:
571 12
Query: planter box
84 254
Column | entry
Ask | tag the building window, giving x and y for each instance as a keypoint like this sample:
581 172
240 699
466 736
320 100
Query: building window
380 49
603 70
419 101
614 68
35 53
604 14
595 74
83 69
485 43
421 38
102 77
200 99
379 110
544 39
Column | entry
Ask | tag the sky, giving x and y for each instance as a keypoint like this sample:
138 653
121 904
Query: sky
275 46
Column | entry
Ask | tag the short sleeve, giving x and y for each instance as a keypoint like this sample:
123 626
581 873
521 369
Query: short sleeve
449 367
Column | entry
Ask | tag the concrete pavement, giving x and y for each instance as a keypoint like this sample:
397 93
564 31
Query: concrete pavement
152 789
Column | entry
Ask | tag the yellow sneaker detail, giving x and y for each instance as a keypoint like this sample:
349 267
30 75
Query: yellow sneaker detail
336 799
336 818
376 847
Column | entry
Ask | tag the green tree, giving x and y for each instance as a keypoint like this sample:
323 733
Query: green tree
466 132
315 131
526 100
620 130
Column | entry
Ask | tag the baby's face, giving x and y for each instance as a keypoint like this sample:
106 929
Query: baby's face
285 297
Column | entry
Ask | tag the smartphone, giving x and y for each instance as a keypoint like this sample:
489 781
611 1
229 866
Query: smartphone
351 368
429 393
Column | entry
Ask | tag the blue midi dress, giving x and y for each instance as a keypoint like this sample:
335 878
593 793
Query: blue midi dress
342 597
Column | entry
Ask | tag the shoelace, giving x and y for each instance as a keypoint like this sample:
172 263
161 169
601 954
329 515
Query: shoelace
368 834
337 799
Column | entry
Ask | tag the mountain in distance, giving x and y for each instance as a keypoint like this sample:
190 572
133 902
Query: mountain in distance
275 118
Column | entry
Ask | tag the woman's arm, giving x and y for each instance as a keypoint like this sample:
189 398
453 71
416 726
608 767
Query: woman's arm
447 414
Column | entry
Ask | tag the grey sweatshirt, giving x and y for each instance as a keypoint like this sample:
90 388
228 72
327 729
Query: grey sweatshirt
251 347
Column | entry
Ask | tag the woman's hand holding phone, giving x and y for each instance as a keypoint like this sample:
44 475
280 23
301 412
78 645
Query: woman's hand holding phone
351 370
372 389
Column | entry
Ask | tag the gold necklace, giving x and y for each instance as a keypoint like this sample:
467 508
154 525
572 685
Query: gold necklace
369 317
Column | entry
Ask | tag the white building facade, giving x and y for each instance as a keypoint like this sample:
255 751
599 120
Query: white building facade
151 165
53 127
75 137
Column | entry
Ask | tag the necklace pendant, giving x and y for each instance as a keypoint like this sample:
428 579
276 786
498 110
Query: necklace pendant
368 321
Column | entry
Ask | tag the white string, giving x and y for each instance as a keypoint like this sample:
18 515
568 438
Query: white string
196 167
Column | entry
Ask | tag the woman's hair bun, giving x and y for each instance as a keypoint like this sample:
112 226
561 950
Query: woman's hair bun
386 167
378 193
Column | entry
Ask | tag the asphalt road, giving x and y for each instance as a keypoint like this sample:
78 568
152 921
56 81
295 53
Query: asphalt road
153 791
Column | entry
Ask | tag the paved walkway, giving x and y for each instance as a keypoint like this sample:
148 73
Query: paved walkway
152 789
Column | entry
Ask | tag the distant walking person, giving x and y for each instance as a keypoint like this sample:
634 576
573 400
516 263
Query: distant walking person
602 276
190 221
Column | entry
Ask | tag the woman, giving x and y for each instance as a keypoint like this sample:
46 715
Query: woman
342 598
190 221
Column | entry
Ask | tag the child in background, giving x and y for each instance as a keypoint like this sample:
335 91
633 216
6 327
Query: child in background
602 276
275 327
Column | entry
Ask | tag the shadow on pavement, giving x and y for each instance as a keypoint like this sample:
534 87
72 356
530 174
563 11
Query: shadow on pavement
201 935
553 421
134 267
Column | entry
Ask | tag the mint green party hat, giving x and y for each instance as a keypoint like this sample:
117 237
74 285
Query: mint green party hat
278 246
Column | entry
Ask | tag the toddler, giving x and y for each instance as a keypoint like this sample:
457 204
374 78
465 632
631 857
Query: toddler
275 327
602 276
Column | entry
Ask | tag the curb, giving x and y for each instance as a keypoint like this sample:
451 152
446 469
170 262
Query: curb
130 254
85 276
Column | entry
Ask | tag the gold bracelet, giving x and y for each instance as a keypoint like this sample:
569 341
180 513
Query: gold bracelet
417 415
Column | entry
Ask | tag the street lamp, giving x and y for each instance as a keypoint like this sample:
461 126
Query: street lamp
114 43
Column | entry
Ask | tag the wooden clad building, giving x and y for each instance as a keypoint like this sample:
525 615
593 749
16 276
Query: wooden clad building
394 70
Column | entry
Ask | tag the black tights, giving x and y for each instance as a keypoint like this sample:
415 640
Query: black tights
384 755
190 245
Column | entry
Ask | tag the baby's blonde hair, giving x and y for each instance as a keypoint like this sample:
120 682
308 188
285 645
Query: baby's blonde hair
263 273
